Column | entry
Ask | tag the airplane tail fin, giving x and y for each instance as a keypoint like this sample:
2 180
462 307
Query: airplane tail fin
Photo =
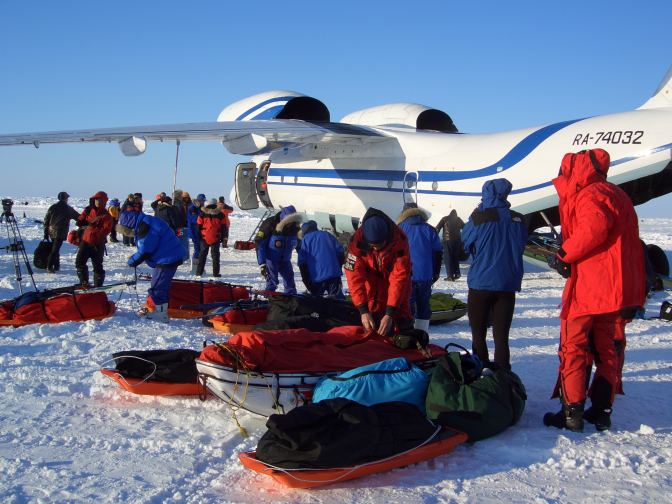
663 95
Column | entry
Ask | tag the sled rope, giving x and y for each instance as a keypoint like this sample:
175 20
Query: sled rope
352 469
145 379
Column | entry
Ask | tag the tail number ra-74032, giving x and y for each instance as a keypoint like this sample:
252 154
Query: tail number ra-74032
609 137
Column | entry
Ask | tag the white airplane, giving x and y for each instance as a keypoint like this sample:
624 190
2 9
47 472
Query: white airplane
384 156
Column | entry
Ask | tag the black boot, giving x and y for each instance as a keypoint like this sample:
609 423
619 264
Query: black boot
98 279
570 417
599 414
83 275
599 417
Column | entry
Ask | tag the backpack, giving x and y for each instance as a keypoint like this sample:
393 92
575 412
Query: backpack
41 254
481 408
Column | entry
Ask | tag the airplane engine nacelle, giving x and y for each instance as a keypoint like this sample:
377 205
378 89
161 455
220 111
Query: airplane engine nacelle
133 146
403 114
270 105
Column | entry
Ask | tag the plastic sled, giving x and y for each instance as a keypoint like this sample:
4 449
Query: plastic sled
154 388
443 443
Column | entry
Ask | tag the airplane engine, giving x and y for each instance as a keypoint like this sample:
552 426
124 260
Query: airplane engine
403 114
276 104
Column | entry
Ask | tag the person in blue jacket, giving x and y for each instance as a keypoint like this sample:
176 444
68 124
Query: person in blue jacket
426 253
275 240
160 249
320 261
495 238
193 211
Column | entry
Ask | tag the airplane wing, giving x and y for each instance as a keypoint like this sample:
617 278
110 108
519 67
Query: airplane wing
240 137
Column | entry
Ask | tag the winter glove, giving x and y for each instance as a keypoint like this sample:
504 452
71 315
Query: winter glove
562 267
264 271
134 263
46 235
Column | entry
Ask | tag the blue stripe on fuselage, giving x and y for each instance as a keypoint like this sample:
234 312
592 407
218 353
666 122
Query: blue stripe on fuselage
519 152
374 175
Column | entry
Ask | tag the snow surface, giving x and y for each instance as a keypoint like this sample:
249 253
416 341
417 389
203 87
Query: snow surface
67 434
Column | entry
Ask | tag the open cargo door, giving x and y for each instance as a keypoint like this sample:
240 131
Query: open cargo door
246 191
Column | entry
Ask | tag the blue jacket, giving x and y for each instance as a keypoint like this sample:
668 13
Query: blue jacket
424 244
321 253
275 243
192 216
495 238
156 242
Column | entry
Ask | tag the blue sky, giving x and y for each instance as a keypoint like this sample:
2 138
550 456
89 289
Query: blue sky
491 65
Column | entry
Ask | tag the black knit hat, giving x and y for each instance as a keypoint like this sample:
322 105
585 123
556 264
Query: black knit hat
62 196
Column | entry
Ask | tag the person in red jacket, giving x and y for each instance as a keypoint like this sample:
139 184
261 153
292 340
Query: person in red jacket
603 261
378 271
226 210
212 228
97 224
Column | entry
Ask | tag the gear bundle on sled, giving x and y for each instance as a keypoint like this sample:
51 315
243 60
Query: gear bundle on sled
193 293
268 372
53 308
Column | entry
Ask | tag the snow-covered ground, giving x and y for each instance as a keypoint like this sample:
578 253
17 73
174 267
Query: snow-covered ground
67 434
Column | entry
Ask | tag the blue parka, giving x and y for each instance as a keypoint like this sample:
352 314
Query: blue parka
192 216
277 238
424 244
157 243
495 238
321 253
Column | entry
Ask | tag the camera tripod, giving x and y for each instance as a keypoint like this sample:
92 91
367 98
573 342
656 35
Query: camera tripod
15 247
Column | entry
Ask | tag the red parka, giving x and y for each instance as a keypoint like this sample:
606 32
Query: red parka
380 280
98 221
210 224
600 239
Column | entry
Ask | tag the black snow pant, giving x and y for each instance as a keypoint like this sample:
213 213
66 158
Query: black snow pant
54 259
451 258
203 255
481 305
95 253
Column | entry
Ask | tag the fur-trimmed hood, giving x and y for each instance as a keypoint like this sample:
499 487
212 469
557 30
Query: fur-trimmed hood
413 212
211 210
294 218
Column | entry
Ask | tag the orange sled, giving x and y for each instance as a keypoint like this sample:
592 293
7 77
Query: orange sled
155 388
444 442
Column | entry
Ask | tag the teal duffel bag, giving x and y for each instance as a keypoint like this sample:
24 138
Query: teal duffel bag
481 408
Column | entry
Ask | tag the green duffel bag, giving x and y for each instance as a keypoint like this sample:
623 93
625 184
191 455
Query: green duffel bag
481 408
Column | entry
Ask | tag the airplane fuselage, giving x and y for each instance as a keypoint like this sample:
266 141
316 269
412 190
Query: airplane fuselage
446 171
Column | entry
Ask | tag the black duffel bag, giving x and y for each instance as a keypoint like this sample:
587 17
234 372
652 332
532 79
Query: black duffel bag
41 255
173 366
342 433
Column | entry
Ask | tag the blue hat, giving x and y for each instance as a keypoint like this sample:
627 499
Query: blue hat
308 227
288 210
201 197
375 229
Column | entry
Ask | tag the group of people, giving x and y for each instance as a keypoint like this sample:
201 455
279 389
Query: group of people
161 240
390 267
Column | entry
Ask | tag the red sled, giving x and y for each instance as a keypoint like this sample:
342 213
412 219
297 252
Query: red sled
244 245
443 443
189 292
152 387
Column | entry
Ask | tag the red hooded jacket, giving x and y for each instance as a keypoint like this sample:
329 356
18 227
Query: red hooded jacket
600 239
211 223
380 279
98 221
